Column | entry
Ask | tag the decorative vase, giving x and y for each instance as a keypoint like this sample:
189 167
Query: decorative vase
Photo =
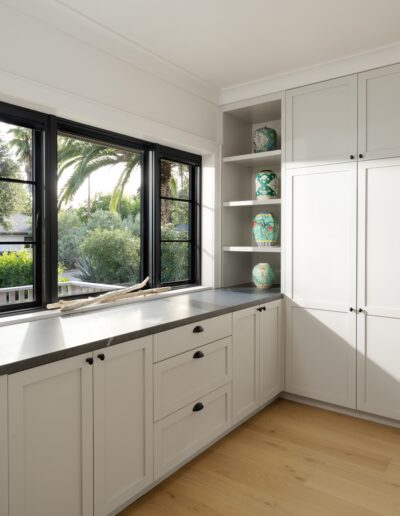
266 185
263 275
264 139
265 229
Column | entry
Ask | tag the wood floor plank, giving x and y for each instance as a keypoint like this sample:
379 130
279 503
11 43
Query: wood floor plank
288 460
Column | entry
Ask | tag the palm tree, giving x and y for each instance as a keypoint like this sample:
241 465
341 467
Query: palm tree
85 157
22 142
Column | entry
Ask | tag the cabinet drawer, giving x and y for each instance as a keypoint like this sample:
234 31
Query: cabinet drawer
172 342
185 377
185 432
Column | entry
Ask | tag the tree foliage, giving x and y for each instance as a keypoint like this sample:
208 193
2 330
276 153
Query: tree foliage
110 256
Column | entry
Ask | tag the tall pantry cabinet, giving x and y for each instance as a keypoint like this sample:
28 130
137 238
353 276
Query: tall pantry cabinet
342 248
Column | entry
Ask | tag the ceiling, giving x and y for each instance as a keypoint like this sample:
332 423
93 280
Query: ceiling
229 42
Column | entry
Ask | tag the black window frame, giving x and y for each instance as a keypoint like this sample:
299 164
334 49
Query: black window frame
194 163
38 123
46 212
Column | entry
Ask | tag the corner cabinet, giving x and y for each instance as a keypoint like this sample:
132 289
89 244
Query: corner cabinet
257 357
53 410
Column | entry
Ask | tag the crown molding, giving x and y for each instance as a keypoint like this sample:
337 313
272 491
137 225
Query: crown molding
355 63
61 17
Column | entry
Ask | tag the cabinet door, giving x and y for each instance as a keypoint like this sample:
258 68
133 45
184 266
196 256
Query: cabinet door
271 374
321 123
379 113
123 423
321 355
378 288
3 446
51 440
246 371
321 245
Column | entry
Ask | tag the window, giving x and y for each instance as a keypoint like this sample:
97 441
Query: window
178 221
115 210
21 141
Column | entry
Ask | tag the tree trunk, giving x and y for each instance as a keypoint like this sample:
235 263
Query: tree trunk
165 189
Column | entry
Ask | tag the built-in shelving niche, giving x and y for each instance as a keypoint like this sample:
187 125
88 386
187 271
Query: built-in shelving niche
239 204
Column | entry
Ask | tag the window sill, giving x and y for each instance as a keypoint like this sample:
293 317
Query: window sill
45 314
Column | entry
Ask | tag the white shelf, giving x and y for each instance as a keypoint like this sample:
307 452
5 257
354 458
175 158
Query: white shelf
257 159
252 249
251 203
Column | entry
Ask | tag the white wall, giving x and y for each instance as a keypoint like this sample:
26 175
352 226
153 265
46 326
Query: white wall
53 64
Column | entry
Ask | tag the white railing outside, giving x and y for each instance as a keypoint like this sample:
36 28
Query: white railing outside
24 294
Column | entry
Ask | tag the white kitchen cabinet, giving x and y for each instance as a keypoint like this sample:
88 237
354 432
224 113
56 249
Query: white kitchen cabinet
321 123
379 113
378 331
271 350
183 433
321 283
246 371
123 423
51 440
3 446
321 354
257 357
321 247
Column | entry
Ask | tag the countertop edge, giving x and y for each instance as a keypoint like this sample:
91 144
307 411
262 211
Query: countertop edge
29 363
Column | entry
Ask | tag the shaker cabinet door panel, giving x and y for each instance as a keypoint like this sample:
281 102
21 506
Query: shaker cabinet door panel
123 423
271 373
321 123
246 373
51 440
321 244
378 241
3 446
378 365
321 355
379 113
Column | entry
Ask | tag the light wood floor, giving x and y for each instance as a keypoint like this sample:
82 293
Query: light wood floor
289 459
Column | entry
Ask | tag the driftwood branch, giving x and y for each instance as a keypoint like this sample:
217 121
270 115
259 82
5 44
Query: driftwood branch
108 297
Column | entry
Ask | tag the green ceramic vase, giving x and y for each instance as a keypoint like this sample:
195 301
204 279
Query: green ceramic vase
264 139
266 185
263 275
265 229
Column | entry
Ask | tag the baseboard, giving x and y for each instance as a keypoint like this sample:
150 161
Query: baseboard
340 410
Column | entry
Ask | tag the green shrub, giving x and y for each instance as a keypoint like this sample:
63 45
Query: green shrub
71 232
110 256
16 268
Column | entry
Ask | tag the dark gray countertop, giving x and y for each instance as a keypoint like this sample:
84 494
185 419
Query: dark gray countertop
29 344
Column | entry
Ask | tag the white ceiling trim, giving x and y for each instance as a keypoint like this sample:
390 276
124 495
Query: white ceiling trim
88 31
356 63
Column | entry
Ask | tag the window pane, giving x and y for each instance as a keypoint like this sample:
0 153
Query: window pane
174 179
16 274
174 261
15 212
15 152
174 220
99 216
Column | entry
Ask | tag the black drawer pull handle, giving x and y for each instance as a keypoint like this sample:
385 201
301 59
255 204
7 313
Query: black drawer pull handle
198 354
89 360
198 329
101 356
199 406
